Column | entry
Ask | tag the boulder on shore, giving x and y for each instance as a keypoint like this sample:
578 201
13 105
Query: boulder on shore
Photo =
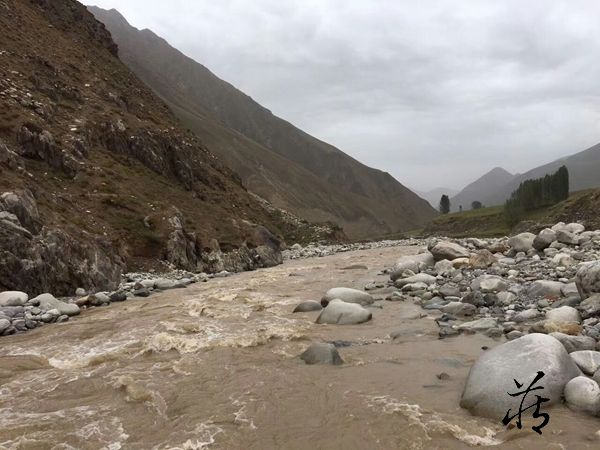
493 374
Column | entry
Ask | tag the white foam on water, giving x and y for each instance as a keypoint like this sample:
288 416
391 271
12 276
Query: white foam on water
204 436
239 416
430 422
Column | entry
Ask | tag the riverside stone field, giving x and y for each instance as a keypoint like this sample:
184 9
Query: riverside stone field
467 315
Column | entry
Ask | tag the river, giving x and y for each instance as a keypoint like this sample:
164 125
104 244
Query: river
216 366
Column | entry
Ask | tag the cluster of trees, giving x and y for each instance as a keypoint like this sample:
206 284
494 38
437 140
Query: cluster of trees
533 194
445 205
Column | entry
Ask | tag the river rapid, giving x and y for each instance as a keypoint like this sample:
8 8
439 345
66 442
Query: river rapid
215 366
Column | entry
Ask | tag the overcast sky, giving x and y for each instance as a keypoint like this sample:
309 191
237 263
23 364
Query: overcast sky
434 92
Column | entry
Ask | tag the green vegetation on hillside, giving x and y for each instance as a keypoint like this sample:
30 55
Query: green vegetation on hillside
582 206
534 194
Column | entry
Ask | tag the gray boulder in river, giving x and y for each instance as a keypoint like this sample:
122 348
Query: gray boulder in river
493 374
322 353
342 313
347 295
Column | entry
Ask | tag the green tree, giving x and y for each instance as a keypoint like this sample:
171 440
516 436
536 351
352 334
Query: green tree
444 204
476 205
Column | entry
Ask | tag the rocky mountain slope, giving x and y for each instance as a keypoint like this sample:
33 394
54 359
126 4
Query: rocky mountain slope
281 163
481 189
96 175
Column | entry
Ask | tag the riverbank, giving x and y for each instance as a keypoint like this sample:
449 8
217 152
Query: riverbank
216 365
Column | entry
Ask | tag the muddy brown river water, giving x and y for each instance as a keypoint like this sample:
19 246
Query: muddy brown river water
215 366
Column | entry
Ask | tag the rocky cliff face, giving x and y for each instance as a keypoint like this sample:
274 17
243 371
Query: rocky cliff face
96 175
276 160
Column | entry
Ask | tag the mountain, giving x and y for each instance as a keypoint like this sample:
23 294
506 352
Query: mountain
584 173
97 175
276 160
482 189
433 196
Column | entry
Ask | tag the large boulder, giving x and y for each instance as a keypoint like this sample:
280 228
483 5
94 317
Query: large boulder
342 313
13 298
522 242
583 394
448 250
544 239
493 374
347 295
321 353
48 302
414 263
587 279
590 307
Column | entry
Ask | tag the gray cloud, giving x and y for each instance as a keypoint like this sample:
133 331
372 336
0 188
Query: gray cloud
436 93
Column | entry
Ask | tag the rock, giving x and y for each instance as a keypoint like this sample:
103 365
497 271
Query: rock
118 296
307 306
461 263
494 372
444 267
448 250
514 334
163 284
526 315
506 298
544 239
4 325
322 353
80 292
143 292
545 288
98 299
418 278
587 279
521 242
587 360
489 283
342 313
566 237
583 394
13 298
564 314
590 307
347 295
48 302
459 309
479 324
448 290
575 343
482 259
550 326
411 262
575 228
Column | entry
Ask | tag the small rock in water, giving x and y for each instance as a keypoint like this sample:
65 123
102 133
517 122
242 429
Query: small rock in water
322 353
